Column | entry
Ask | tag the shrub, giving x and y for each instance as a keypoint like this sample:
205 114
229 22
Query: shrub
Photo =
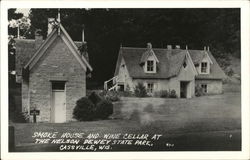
198 91
95 98
84 110
110 95
104 109
173 94
92 107
164 94
229 71
140 90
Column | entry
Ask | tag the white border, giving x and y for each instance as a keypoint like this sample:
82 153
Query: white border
245 59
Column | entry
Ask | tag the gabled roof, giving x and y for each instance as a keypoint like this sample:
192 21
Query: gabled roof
25 49
198 55
68 41
146 54
170 62
215 70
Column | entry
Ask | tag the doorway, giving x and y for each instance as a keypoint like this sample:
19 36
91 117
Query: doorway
184 89
121 87
58 111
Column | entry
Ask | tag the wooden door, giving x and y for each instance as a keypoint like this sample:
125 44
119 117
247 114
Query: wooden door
59 106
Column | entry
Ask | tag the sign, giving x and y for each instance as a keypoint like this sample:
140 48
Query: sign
34 112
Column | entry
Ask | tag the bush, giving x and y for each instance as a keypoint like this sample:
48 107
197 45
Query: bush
84 110
198 91
229 71
95 98
92 107
173 94
140 90
112 96
162 94
104 109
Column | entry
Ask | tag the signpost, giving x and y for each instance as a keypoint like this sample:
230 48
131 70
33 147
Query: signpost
34 112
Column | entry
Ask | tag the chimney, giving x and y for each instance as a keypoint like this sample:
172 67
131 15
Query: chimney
186 47
51 22
38 38
208 48
149 45
177 46
169 47
205 48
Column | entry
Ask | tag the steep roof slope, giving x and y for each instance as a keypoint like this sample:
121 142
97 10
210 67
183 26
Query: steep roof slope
25 49
167 58
170 62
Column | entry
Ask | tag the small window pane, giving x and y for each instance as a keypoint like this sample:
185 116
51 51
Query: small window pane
204 88
204 67
150 87
150 65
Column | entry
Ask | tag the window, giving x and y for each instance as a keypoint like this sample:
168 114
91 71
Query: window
204 67
204 88
150 65
150 87
184 64
58 85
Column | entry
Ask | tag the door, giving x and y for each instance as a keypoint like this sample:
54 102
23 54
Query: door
183 89
59 106
58 112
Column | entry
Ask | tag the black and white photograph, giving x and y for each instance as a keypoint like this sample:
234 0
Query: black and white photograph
124 79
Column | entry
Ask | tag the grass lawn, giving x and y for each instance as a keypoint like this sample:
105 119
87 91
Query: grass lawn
203 123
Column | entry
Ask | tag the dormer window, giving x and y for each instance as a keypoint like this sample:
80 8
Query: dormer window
204 67
150 66
149 60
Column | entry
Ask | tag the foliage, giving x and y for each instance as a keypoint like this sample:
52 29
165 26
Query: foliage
126 93
15 115
162 94
229 71
13 15
12 60
18 20
104 109
92 107
112 96
172 94
140 90
106 29
84 110
94 98
198 91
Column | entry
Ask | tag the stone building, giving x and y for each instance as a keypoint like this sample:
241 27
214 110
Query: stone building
52 73
167 69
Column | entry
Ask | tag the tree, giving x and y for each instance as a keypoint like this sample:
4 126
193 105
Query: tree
19 25
107 29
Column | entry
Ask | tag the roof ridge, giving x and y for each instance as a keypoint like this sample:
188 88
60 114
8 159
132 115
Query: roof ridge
162 49
33 40
152 48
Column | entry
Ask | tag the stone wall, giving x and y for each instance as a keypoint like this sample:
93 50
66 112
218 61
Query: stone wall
57 64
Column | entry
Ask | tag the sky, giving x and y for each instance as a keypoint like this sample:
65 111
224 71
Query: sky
25 11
